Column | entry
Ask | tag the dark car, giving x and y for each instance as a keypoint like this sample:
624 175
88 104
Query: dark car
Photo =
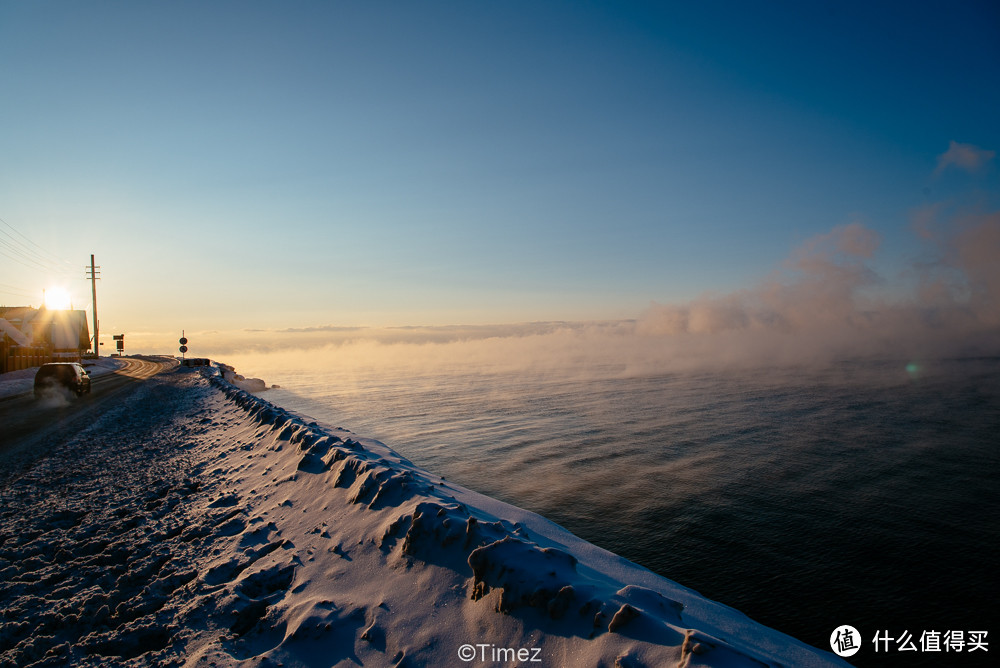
61 375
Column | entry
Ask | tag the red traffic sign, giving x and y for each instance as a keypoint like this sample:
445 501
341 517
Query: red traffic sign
183 349
183 340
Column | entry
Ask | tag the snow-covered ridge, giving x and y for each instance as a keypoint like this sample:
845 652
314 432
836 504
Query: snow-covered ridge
433 570
191 523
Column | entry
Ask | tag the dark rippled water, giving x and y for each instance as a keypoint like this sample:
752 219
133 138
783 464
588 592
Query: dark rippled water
863 494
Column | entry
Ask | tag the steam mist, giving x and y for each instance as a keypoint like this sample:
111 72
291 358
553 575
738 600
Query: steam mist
825 304
831 304
53 395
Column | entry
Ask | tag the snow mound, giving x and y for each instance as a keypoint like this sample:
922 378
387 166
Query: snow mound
240 381
493 575
198 524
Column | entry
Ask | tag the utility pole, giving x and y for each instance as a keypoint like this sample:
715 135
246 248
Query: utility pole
94 275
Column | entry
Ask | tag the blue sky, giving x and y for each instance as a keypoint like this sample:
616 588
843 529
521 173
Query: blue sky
252 164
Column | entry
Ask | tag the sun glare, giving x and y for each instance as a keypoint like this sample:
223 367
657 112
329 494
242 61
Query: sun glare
57 299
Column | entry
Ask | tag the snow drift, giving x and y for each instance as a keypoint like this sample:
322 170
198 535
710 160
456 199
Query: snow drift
265 538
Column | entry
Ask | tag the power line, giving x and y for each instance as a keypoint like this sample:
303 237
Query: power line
38 251
16 293
15 288
19 296
27 262
22 250
29 258
17 251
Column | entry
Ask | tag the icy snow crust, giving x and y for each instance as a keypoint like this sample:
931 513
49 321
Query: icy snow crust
202 525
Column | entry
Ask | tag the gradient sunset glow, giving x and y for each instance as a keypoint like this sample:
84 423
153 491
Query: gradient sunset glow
249 165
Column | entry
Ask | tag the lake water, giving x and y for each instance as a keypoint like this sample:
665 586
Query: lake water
861 493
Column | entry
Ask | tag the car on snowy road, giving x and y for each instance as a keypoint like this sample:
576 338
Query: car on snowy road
61 376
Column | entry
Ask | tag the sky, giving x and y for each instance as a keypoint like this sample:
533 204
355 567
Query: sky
238 166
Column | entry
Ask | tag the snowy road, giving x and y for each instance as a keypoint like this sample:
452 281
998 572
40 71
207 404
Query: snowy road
82 519
26 422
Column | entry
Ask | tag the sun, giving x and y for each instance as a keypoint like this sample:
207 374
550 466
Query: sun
57 298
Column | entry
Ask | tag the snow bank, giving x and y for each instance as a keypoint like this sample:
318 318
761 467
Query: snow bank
410 568
249 384
274 541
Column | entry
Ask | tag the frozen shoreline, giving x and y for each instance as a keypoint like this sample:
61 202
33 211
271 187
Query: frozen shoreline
282 541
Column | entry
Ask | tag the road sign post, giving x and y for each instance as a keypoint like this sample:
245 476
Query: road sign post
183 342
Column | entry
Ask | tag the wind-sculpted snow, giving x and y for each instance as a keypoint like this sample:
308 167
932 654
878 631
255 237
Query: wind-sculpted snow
229 531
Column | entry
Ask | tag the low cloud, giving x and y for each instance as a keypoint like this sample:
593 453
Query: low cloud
963 156
826 305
